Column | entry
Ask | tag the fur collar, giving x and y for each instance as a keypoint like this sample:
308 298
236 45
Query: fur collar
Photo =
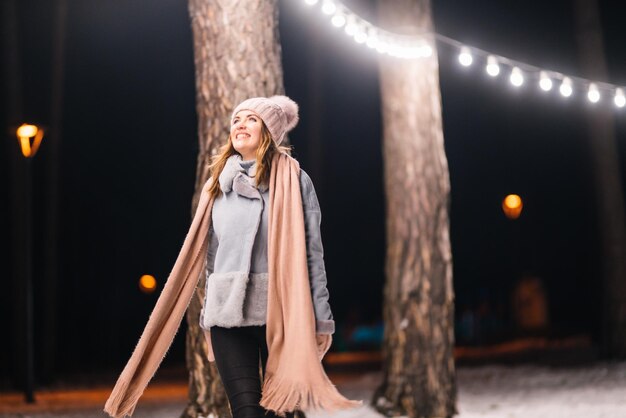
235 177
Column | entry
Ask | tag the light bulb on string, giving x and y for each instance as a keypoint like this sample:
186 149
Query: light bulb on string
382 47
593 94
566 87
619 99
517 78
493 69
372 41
545 82
329 7
360 37
338 20
465 57
351 27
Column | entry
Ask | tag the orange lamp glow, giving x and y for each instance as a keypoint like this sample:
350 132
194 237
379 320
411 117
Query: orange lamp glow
147 283
27 132
512 206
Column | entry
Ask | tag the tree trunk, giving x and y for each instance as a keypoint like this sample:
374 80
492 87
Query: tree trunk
418 363
237 55
607 185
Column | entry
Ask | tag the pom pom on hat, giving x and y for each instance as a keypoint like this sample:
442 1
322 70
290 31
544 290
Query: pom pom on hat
279 113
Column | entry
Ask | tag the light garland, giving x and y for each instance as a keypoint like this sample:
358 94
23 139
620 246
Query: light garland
419 46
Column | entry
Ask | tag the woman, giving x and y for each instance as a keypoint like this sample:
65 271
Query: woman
256 230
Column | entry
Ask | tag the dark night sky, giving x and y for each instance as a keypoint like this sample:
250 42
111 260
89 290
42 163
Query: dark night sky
129 146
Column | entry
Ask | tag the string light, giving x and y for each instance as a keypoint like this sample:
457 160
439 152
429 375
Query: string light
421 45
338 20
566 87
329 7
593 94
465 57
545 82
517 78
619 98
493 69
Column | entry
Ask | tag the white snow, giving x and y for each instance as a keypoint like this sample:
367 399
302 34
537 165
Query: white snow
597 391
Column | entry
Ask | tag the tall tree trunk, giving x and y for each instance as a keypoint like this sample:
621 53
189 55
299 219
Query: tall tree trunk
237 55
607 185
418 364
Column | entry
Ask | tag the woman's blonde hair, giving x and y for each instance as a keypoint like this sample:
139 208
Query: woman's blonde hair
264 154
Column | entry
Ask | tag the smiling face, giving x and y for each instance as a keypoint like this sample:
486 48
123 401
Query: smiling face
245 133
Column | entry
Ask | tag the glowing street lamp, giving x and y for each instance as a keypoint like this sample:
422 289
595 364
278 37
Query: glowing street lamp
27 133
512 206
29 137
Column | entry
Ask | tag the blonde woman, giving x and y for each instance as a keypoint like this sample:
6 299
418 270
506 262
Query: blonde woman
256 235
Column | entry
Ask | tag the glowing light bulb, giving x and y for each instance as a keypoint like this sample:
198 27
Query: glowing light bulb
517 78
593 94
338 20
350 29
360 37
566 87
619 99
371 42
465 57
382 47
545 82
147 283
329 7
493 69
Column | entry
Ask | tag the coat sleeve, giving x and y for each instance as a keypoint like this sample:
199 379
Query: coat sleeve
315 256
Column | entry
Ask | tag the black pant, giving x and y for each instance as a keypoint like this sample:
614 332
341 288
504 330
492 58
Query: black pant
238 353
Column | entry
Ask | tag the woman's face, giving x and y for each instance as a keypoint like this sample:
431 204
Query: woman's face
245 133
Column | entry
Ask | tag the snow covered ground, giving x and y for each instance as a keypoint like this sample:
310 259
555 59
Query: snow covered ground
597 391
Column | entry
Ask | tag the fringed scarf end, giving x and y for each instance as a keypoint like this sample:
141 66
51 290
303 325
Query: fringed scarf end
119 406
287 396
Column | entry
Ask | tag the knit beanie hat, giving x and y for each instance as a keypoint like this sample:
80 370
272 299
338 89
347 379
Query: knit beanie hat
279 113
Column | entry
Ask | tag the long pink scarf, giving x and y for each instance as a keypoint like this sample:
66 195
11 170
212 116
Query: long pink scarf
295 378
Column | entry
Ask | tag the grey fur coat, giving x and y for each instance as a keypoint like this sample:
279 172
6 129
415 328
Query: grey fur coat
236 282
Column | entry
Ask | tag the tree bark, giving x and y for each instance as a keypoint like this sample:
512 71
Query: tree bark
607 185
237 55
418 363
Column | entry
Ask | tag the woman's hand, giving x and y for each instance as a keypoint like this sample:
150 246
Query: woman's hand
323 344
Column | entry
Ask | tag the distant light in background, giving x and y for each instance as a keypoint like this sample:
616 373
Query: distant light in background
545 82
147 283
566 87
619 99
465 57
512 206
517 78
593 94
493 69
